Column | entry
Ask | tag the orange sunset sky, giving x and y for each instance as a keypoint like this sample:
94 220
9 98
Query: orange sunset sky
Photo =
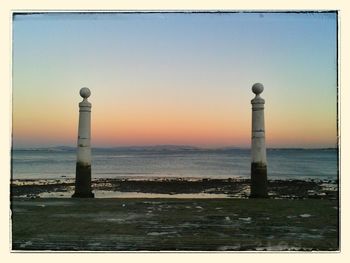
175 78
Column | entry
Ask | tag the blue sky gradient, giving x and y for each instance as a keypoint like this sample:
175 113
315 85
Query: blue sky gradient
198 68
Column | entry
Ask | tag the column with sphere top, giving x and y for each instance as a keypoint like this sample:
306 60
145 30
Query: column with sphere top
83 165
258 187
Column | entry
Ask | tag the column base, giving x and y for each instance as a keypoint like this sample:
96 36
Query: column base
83 195
83 182
258 185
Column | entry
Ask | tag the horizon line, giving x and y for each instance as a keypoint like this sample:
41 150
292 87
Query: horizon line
172 145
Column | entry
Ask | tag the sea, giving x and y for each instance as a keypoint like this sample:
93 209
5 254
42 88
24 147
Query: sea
174 162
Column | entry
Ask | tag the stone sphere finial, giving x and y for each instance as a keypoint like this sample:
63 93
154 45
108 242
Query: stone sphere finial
85 93
258 88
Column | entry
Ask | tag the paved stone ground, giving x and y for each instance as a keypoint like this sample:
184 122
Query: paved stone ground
174 224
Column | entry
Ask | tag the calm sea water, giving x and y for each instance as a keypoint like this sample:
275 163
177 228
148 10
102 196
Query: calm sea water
59 162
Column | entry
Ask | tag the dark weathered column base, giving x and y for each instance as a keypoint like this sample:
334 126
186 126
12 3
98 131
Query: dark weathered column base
258 185
83 195
83 182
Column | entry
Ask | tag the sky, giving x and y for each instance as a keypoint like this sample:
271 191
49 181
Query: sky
175 78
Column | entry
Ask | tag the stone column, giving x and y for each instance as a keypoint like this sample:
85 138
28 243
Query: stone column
258 187
83 166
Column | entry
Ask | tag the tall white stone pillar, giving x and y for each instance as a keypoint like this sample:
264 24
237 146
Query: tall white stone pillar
83 166
258 187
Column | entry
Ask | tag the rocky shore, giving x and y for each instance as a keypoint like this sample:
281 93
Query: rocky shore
230 188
